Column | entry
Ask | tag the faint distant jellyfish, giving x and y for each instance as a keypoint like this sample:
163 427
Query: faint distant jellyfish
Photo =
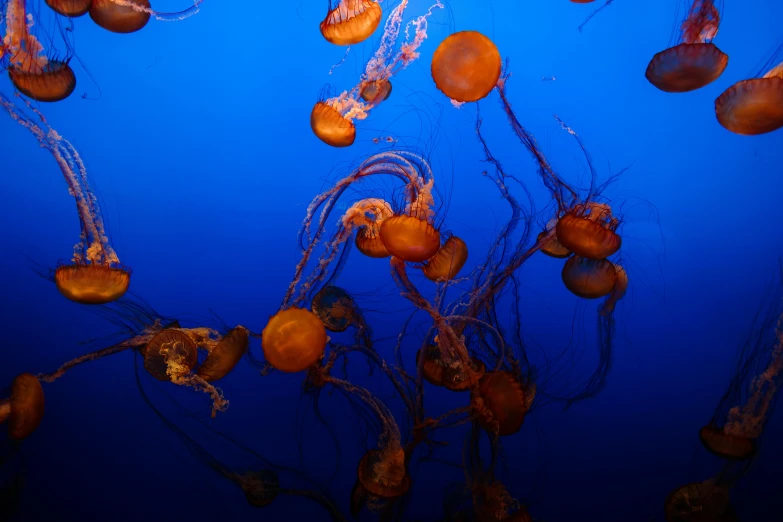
120 16
293 340
466 66
383 472
168 346
72 8
695 62
753 106
447 261
31 72
351 22
450 374
225 355
700 502
501 402
589 230
335 308
261 487
24 410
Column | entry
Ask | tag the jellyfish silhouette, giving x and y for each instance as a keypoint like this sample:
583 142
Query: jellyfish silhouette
694 61
24 410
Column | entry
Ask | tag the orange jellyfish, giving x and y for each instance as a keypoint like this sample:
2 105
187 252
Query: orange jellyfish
695 61
72 8
706 501
551 246
410 238
368 214
293 340
383 473
466 66
332 120
589 230
447 261
31 72
225 355
501 402
589 278
351 22
25 408
753 106
121 16
449 373
95 275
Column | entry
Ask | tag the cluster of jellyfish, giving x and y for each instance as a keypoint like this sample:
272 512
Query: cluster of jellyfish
466 349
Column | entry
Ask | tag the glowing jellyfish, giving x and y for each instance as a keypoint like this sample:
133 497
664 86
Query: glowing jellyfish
700 502
695 62
369 214
466 66
501 402
121 16
589 230
332 120
293 340
753 106
351 22
171 346
410 238
449 373
96 276
383 473
225 354
447 261
31 72
72 8
25 408
589 278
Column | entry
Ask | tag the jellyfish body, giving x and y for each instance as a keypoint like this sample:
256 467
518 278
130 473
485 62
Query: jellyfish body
92 284
589 278
368 242
699 502
410 238
753 106
447 261
331 127
501 403
335 308
170 352
72 8
225 355
120 17
466 66
696 61
451 375
293 340
552 247
588 230
724 445
25 409
351 22
261 487
376 91
383 474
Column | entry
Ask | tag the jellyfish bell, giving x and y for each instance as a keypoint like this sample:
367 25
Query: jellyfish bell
335 308
552 246
25 408
699 502
72 8
501 403
754 106
724 445
123 16
410 238
447 261
368 242
351 22
52 82
225 355
589 278
92 283
261 487
376 91
588 230
293 340
450 375
331 127
466 66
383 473
171 351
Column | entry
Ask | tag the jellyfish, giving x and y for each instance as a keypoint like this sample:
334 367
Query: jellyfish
351 21
706 501
753 106
332 119
737 424
225 355
120 16
589 230
335 308
501 402
71 8
447 372
293 340
95 275
466 66
447 261
24 410
550 246
695 61
31 72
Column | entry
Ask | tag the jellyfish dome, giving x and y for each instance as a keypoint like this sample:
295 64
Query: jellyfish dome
121 16
466 66
699 502
410 238
588 230
225 355
589 278
447 261
552 246
331 127
293 340
170 352
727 446
72 8
25 409
335 307
383 474
351 22
753 106
92 284
503 403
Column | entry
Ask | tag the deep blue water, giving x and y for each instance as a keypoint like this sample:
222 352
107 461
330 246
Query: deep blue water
197 141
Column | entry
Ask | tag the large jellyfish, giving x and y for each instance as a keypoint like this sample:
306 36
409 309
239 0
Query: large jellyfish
95 275
466 66
694 61
30 70
332 119
129 16
754 106
351 21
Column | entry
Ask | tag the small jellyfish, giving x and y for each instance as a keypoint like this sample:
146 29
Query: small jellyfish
25 408
351 22
225 355
699 502
410 238
31 72
753 106
589 278
171 347
369 214
466 66
552 247
331 127
447 261
588 230
293 340
72 8
383 472
695 61
450 374
335 308
261 487
376 91
121 16
501 402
